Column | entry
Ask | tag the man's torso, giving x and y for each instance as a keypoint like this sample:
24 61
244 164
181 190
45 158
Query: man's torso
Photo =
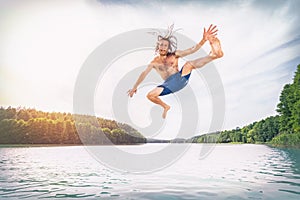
167 66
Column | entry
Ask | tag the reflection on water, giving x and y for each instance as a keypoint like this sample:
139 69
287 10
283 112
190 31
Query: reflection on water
229 172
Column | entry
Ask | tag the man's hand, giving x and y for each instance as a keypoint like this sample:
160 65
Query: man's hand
211 32
131 92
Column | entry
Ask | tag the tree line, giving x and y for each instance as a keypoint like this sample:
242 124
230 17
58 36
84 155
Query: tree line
30 126
279 130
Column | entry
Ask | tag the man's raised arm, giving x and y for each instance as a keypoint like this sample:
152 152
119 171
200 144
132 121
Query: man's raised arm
139 80
212 31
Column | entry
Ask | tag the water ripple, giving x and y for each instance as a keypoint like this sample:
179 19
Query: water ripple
230 172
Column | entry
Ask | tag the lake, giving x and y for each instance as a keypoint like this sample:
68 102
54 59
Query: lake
227 172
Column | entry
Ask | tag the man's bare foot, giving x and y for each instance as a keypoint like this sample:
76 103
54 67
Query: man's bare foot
216 50
166 109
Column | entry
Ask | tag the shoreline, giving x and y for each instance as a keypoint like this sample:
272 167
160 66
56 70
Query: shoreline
79 145
60 145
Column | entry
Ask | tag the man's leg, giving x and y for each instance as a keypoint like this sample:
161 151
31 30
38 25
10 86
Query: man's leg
153 96
216 52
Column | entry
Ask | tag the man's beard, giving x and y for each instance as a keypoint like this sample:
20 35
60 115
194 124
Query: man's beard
163 53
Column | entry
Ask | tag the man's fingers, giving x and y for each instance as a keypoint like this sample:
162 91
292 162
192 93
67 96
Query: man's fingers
213 32
209 28
131 92
213 29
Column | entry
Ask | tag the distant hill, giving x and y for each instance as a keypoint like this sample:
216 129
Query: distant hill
176 140
151 140
29 126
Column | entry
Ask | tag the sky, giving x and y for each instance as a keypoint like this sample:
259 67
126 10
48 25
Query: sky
44 44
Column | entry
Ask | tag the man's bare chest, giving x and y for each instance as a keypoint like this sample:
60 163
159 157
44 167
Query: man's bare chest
166 64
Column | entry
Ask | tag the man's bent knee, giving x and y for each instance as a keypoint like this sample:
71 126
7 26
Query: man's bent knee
151 95
187 68
155 93
189 65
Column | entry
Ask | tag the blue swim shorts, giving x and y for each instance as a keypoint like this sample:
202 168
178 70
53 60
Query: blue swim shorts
174 83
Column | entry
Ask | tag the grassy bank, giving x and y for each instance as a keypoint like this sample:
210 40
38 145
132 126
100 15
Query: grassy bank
286 140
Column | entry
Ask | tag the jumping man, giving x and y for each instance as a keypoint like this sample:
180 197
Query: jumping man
166 65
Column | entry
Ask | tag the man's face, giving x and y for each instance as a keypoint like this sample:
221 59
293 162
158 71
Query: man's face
163 46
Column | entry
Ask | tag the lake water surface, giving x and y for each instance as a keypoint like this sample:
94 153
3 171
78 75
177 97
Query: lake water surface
228 172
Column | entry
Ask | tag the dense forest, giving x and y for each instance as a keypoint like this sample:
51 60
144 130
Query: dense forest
279 130
257 132
29 126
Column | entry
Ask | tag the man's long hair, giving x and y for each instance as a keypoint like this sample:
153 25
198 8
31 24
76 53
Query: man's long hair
168 36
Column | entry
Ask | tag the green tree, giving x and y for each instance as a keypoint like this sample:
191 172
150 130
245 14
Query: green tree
289 110
289 105
23 114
